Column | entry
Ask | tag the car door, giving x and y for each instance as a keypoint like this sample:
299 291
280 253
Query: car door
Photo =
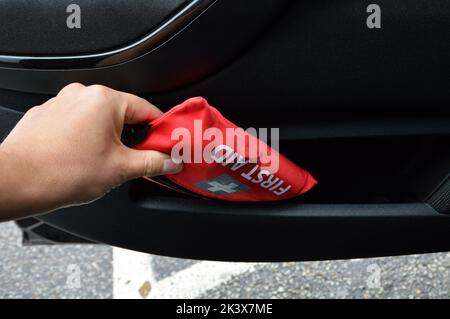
359 91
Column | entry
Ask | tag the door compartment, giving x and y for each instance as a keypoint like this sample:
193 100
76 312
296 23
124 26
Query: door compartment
356 170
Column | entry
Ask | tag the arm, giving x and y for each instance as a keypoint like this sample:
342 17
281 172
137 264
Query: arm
67 151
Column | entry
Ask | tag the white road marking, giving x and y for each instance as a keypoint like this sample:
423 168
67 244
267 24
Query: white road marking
132 272
194 281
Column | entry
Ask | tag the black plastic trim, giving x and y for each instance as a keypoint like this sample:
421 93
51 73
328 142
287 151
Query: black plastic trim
145 45
204 46
287 231
440 197
208 230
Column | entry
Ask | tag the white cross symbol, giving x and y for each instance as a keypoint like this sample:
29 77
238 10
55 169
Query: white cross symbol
219 187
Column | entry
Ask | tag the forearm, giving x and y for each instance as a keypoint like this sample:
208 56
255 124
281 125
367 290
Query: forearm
67 151
18 194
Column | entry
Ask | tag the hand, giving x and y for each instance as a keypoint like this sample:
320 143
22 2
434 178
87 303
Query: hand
68 151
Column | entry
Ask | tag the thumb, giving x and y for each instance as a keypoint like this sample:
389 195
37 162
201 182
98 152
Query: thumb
150 163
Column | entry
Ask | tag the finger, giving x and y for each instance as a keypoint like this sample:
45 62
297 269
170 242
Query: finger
149 163
137 110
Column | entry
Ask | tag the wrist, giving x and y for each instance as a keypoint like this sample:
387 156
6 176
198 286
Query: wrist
17 192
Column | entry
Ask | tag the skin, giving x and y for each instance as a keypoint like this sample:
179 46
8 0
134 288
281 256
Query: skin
68 152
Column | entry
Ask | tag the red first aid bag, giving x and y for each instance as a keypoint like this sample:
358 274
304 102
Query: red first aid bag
221 161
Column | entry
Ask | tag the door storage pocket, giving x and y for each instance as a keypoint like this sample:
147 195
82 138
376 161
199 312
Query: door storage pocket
388 169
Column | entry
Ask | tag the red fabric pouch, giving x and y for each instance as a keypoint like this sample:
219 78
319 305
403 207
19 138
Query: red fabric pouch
222 161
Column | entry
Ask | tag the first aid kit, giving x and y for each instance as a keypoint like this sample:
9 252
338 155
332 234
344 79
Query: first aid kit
220 160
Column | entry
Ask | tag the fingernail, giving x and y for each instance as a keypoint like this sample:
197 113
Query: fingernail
170 167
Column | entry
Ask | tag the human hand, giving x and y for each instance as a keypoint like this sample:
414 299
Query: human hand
68 150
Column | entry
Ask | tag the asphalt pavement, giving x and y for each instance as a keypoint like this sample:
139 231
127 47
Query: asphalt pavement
97 271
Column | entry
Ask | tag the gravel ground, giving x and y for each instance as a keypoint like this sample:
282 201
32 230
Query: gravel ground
45 272
425 276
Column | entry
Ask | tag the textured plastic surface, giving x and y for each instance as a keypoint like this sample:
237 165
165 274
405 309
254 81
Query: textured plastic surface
39 27
222 168
440 198
333 74
200 229
205 45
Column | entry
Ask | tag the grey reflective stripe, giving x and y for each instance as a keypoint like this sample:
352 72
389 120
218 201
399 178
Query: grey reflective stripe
222 185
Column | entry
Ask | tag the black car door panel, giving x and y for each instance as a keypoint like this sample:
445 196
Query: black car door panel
366 110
